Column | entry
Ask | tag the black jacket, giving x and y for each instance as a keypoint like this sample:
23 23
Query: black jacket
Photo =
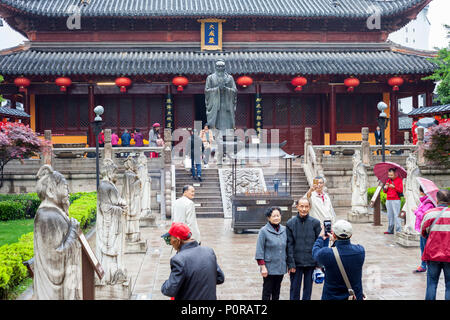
301 236
194 274
377 137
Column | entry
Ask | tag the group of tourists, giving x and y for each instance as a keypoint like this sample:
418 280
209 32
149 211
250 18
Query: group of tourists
154 135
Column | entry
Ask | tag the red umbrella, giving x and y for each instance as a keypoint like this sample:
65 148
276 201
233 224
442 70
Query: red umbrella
429 188
381 169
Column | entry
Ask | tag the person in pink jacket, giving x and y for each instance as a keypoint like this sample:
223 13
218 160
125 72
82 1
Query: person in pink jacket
425 205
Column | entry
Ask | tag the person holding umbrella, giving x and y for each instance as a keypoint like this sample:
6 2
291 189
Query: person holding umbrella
394 190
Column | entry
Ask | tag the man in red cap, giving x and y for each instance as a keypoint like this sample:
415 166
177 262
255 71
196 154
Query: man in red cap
194 269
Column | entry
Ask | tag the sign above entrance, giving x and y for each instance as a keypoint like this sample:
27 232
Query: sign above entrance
211 34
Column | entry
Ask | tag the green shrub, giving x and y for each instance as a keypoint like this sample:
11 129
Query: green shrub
84 209
12 270
11 210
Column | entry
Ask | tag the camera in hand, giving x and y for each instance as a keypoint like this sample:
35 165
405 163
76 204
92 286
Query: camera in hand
327 226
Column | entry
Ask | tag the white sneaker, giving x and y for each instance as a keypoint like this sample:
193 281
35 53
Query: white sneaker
206 166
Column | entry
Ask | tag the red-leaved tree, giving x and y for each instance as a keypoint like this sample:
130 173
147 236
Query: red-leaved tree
437 146
18 142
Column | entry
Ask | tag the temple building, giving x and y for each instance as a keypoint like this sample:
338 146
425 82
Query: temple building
323 64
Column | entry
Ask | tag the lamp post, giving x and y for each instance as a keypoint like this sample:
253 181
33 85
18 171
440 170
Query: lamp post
97 126
382 123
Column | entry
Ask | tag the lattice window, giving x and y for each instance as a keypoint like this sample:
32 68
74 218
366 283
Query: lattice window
157 109
59 116
184 116
296 110
281 105
359 110
141 113
110 115
46 113
242 111
72 112
267 106
84 112
126 113
311 111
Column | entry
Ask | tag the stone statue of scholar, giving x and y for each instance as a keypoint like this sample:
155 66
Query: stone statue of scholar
57 250
220 98
131 193
111 211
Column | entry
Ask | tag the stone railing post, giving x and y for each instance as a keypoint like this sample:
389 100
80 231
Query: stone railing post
406 141
365 146
420 150
308 142
107 150
168 172
47 153
319 167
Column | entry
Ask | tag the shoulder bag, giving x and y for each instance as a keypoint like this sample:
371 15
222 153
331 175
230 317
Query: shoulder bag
351 293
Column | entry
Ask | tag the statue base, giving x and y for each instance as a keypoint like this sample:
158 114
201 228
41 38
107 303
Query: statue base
149 221
136 247
407 240
120 291
359 218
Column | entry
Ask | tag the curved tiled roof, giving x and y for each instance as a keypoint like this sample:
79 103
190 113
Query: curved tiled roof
218 8
115 63
430 110
13 112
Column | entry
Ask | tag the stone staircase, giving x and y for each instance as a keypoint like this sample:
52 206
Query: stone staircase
208 199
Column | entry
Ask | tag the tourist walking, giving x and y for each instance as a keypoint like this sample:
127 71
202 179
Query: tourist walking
207 138
271 254
114 139
101 139
138 138
194 149
302 231
195 272
425 205
394 190
126 138
154 139
377 135
184 211
342 255
321 207
436 228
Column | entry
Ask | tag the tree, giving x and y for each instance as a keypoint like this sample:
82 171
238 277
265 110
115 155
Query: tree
437 146
442 74
1 80
18 142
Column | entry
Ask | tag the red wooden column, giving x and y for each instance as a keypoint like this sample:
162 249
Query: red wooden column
332 112
429 95
394 117
91 103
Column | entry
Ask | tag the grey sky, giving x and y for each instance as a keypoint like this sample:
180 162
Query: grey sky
438 15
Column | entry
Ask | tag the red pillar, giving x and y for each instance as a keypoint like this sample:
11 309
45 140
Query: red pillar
394 118
332 111
429 95
91 102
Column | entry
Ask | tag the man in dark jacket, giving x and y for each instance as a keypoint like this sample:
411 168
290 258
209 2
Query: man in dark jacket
352 257
126 138
302 231
194 149
194 269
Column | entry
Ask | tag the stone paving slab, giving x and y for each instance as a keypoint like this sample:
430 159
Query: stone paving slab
387 270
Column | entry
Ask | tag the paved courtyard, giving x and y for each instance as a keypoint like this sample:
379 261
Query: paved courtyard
387 269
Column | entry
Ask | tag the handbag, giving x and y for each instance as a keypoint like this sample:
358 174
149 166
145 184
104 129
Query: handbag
187 162
351 293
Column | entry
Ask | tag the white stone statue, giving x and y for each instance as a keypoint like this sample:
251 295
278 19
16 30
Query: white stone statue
131 192
111 211
411 194
57 250
359 186
146 186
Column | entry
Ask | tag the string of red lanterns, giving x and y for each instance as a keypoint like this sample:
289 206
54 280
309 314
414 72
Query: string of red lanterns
22 83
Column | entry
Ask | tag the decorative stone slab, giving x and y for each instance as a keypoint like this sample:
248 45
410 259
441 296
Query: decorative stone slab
146 222
359 218
121 291
248 180
136 247
407 240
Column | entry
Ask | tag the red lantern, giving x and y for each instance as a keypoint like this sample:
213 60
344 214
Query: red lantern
123 83
22 83
244 81
395 82
351 83
298 82
63 82
180 82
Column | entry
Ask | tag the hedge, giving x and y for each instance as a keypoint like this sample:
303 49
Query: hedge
371 191
21 206
12 270
12 256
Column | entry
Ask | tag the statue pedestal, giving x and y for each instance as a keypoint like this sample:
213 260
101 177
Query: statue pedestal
359 218
148 221
135 247
120 291
407 240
